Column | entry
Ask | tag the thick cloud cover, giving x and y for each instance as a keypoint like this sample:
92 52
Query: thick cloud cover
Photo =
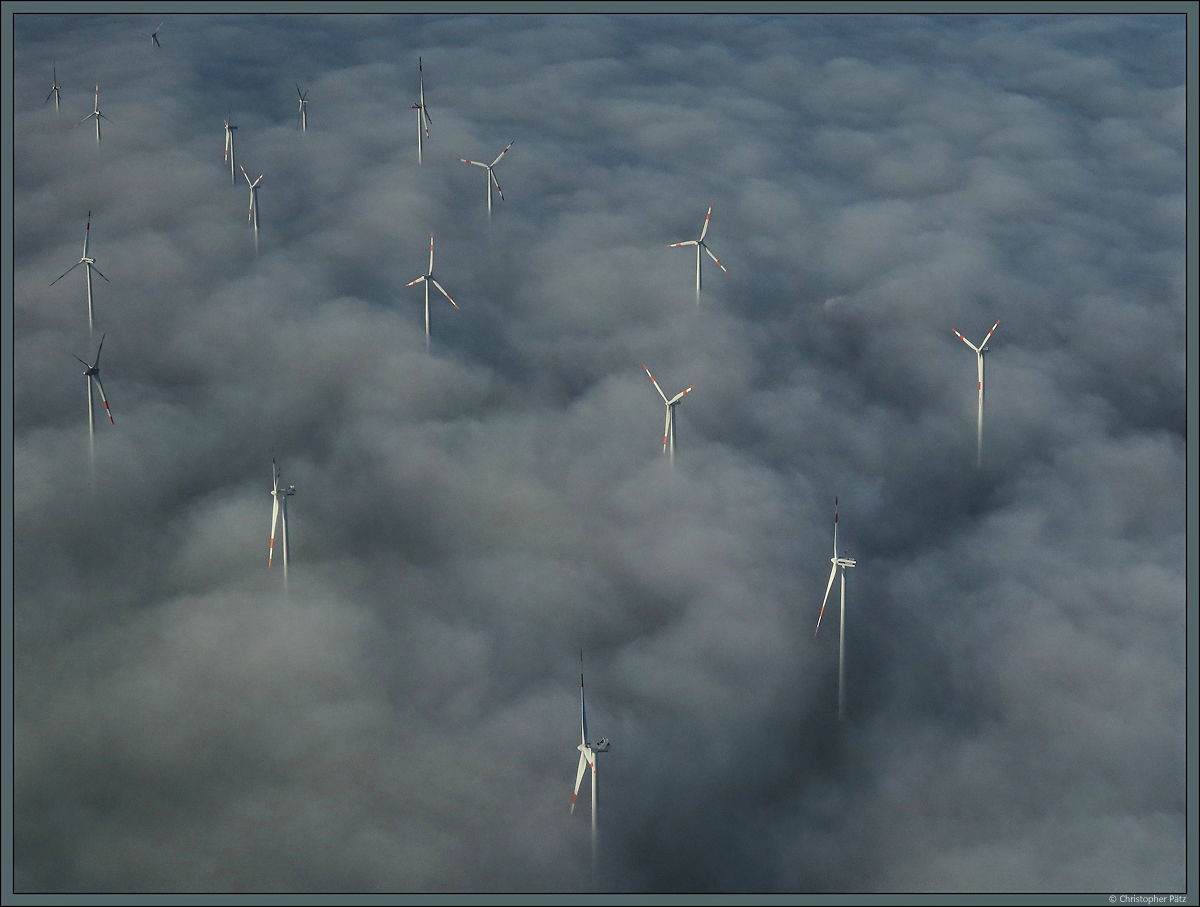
467 519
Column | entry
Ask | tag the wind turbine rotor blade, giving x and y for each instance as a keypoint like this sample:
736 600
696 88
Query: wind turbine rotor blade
989 336
583 764
80 361
274 520
430 271
96 364
496 184
502 153
825 600
444 293
966 341
667 427
103 399
655 383
678 397
676 245
476 163
92 267
65 273
414 282
582 705
704 229
714 258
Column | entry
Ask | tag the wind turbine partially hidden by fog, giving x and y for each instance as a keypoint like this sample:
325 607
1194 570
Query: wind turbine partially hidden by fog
979 351
844 563
89 266
53 91
669 426
303 109
699 244
95 113
229 152
491 175
252 214
154 34
279 498
587 757
428 279
92 373
423 120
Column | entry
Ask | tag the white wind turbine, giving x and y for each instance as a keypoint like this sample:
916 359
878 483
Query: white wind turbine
89 266
53 91
95 113
979 351
303 109
491 174
279 498
252 213
423 120
700 244
154 34
92 372
428 279
845 563
669 425
229 152
587 757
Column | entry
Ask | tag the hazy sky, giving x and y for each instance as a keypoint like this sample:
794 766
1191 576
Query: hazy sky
467 519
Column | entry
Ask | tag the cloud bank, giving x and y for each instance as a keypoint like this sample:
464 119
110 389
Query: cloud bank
469 518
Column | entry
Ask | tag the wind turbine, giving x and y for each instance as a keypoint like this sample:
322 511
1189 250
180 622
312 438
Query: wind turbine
229 151
89 265
95 113
700 244
279 498
669 425
53 91
423 120
303 109
428 279
587 757
491 174
979 351
154 34
845 563
252 213
92 372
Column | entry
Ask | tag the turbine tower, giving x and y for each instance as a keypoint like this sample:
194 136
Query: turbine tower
89 266
423 120
669 425
979 351
491 175
844 563
428 279
587 757
700 244
279 498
